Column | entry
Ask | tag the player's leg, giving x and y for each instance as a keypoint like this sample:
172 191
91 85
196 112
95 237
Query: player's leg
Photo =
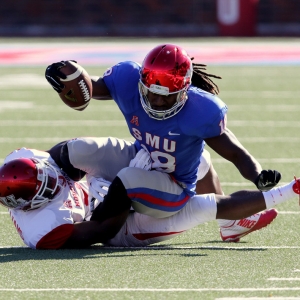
244 203
207 178
100 157
148 192
248 202
230 230
142 230
153 193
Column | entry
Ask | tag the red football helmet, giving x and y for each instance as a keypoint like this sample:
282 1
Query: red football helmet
27 183
167 69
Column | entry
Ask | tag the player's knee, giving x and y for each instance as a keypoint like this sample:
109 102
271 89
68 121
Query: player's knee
129 174
83 146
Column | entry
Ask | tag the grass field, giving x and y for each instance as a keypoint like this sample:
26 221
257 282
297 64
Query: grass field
264 113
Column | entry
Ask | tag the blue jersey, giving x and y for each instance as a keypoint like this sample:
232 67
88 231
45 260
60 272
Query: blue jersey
176 143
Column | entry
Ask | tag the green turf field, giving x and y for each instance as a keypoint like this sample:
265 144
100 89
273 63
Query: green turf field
263 113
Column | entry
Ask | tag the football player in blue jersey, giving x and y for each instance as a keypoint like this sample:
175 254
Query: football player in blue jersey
172 110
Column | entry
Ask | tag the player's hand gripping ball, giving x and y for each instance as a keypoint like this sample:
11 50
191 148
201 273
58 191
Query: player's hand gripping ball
78 88
72 82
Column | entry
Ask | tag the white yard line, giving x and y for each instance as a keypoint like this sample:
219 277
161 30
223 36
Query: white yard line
263 160
59 123
157 290
281 212
258 298
276 140
163 247
118 122
243 140
284 279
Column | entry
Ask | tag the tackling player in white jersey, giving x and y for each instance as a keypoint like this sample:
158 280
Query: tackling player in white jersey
50 210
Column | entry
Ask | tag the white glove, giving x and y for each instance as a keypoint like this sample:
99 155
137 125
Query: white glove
142 160
98 188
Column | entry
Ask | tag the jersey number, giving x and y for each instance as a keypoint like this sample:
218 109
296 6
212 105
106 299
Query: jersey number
168 166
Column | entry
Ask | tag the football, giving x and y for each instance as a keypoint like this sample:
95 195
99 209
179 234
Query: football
78 88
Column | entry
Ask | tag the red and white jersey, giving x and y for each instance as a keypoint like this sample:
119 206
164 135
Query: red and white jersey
50 226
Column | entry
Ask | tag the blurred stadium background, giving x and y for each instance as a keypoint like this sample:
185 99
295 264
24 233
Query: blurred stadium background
149 18
254 45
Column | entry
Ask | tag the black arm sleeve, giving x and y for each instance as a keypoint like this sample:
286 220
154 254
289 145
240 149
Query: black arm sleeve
60 155
115 203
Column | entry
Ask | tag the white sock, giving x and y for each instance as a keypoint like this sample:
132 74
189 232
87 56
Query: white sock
272 198
225 223
279 194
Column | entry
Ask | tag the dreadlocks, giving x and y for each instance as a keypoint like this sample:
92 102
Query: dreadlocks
201 79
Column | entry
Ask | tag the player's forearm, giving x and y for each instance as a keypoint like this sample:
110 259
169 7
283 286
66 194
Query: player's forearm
86 234
100 91
229 147
55 152
60 155
249 167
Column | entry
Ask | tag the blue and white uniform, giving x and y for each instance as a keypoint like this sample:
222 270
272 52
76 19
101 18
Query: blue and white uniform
175 144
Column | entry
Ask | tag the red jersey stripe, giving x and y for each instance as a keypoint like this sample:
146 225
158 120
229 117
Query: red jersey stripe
158 201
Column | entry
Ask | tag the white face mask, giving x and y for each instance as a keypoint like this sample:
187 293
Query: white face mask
161 114
48 176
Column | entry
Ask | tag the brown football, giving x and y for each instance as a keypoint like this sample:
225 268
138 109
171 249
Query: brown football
78 88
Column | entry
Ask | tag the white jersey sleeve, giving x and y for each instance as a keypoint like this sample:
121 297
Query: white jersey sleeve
27 153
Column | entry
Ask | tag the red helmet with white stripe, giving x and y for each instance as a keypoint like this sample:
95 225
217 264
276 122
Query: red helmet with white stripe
27 183
167 69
